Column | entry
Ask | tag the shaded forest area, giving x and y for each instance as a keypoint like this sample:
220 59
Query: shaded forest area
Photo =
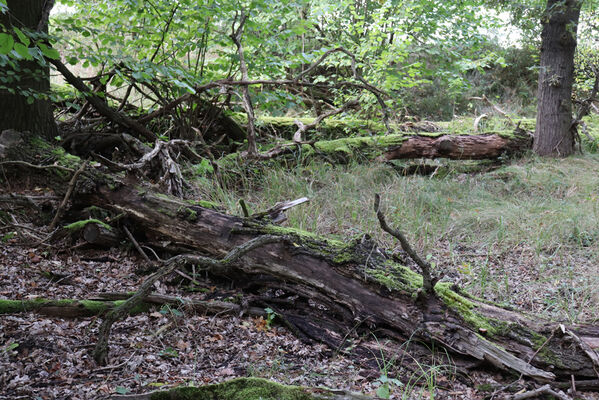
298 200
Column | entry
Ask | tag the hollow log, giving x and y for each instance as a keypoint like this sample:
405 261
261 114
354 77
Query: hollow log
325 288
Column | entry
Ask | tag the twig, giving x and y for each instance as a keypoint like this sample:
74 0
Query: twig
60 167
139 249
543 345
64 202
244 208
301 128
246 99
495 107
427 280
477 121
545 389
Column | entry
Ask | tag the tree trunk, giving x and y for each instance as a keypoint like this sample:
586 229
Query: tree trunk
553 134
15 111
324 289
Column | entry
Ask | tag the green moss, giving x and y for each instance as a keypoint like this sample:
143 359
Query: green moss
168 212
485 387
301 235
188 214
396 277
467 310
236 389
204 204
40 143
75 226
66 159
14 306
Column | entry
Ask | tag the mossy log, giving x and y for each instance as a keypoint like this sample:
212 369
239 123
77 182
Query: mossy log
364 139
491 145
325 288
100 235
104 302
245 389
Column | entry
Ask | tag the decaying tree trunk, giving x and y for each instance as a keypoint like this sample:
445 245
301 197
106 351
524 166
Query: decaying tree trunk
324 288
411 146
329 290
461 147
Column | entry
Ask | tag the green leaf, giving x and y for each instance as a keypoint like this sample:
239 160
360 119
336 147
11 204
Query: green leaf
6 43
22 51
383 391
122 390
22 37
48 51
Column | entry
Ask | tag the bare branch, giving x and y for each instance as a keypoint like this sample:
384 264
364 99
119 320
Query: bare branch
425 267
246 99
63 204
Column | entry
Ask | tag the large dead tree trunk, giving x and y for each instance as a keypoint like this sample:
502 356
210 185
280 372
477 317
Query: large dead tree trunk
324 288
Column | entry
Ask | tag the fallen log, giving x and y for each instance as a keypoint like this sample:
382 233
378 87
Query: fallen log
333 287
490 145
461 147
244 389
325 288
105 302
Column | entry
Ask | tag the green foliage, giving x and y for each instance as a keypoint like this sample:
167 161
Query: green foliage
270 316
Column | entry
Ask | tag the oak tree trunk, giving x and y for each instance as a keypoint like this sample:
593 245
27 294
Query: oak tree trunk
15 110
553 134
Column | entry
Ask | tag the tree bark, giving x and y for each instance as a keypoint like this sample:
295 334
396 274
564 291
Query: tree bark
15 111
554 135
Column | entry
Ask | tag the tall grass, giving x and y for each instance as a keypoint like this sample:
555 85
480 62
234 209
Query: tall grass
509 235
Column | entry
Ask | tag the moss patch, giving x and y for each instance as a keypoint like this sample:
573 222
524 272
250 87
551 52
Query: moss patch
204 204
467 310
236 389
397 277
75 226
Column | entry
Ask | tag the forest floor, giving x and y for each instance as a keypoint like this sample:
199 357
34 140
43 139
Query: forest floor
525 235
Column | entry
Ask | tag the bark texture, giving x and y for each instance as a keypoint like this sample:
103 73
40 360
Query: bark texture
15 112
554 135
